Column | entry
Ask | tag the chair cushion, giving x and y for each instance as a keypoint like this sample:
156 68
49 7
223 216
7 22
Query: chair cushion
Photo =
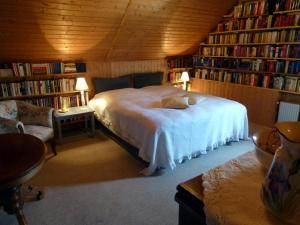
41 132
8 109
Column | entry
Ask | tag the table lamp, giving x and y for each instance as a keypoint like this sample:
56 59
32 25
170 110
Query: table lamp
185 77
81 86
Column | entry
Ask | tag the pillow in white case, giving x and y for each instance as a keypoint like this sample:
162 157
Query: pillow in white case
175 102
195 99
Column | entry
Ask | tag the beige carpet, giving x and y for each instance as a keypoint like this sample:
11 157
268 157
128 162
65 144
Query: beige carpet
93 181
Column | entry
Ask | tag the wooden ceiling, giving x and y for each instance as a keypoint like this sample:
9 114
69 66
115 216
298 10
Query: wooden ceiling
105 30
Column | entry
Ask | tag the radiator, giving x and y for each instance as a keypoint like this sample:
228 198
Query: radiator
288 111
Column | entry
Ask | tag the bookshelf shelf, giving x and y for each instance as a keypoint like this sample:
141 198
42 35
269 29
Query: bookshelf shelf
243 17
247 71
68 93
241 57
181 68
249 86
255 30
253 44
287 11
41 77
254 47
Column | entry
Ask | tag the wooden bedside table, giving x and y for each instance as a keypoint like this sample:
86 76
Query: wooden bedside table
74 113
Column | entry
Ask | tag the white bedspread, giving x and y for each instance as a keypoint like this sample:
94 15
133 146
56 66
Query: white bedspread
166 136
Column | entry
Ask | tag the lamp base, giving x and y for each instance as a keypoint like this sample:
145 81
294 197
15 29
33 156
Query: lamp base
63 110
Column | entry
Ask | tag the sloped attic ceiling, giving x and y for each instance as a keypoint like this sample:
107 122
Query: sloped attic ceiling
105 30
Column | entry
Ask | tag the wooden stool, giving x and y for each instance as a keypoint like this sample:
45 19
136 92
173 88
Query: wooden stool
22 156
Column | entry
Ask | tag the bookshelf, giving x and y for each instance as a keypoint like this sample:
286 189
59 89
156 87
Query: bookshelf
42 84
177 65
257 45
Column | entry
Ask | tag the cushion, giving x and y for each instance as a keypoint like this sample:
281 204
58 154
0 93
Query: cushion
175 102
41 132
147 79
34 115
195 99
106 84
8 109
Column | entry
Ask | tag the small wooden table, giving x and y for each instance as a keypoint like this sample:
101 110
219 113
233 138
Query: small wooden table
190 198
22 156
74 113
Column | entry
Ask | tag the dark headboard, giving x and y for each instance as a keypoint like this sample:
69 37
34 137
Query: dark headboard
136 80
147 79
106 84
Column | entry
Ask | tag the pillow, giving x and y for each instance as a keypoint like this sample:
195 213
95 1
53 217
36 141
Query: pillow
194 99
175 102
106 84
147 79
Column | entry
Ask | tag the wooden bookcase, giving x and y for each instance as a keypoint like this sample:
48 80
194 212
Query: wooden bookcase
253 46
44 90
177 65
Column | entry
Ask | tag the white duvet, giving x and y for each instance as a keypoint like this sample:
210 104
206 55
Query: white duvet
167 136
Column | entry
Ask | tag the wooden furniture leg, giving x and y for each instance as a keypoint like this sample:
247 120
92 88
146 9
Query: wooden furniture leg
12 202
53 146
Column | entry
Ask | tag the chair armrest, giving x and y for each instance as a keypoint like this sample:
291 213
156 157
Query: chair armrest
34 115
11 126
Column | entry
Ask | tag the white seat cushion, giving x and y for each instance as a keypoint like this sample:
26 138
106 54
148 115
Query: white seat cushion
41 132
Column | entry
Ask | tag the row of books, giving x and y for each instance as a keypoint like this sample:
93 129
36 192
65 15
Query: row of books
268 51
284 5
279 20
174 77
251 8
180 62
258 65
262 7
258 80
28 69
38 87
56 102
292 35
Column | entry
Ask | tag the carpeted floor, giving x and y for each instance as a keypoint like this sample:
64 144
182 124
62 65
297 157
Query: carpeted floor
93 181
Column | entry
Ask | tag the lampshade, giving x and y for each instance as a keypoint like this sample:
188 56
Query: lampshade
81 84
185 76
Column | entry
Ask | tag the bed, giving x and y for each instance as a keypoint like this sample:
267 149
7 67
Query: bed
167 136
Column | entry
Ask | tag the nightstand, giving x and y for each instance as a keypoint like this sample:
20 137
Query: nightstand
75 113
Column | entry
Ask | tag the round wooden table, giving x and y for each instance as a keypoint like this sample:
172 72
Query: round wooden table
21 157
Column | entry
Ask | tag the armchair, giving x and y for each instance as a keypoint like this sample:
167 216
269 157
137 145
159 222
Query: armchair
22 117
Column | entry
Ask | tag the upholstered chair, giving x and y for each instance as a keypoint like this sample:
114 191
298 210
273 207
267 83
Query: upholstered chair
22 117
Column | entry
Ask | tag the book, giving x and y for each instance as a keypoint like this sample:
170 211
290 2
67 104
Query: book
298 86
278 83
39 68
69 67
290 83
21 69
266 81
80 67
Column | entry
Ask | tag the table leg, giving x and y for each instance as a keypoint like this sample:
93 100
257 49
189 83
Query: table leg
13 203
86 118
93 124
58 122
